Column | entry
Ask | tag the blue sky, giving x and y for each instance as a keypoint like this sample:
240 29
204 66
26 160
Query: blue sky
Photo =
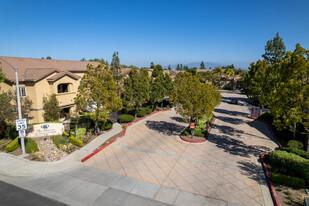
165 32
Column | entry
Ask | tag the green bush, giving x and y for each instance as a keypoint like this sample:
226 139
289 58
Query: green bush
80 133
287 180
10 131
186 132
199 132
31 146
299 152
147 109
65 133
291 162
76 141
124 118
13 145
58 140
141 112
295 144
107 125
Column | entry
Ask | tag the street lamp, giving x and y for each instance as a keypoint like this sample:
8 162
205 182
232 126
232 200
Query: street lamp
18 104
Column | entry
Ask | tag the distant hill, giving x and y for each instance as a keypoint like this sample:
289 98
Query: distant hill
197 65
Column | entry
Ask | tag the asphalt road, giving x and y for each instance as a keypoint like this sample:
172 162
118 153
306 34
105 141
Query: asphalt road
11 195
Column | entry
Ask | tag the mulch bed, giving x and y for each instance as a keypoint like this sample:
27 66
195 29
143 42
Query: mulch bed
290 196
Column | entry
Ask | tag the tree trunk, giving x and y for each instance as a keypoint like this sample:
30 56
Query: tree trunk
307 142
95 124
135 113
294 131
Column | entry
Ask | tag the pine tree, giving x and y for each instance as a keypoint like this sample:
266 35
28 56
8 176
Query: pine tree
116 71
202 66
51 108
274 50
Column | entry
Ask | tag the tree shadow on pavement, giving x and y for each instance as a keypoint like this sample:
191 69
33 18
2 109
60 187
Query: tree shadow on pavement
252 171
230 120
228 130
236 147
167 128
232 113
178 119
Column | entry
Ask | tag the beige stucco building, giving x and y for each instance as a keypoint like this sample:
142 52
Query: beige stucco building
42 77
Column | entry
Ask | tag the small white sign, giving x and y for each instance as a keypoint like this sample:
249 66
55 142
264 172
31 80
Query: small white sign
21 124
22 133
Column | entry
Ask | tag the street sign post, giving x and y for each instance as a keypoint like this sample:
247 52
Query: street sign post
22 133
21 124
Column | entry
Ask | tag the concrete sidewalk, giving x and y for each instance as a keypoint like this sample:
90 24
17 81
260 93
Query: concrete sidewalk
72 183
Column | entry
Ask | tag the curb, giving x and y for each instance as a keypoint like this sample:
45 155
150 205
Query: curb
271 132
204 140
124 132
270 183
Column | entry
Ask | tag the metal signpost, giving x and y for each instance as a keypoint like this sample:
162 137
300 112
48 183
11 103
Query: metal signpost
192 129
20 119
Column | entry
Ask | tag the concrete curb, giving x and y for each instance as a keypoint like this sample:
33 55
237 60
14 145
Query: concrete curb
270 183
124 133
200 141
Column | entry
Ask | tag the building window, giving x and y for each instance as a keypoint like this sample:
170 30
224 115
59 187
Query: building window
62 88
22 91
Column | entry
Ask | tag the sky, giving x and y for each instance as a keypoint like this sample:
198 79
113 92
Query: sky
164 32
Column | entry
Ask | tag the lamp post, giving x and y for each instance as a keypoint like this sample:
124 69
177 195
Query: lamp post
18 103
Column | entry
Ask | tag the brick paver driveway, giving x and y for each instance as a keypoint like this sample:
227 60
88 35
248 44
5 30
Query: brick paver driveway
224 167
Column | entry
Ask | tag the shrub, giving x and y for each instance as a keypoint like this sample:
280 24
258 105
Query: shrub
60 140
147 109
299 152
186 132
10 131
13 145
107 125
288 180
76 141
80 133
292 162
198 131
65 133
295 144
124 118
31 146
141 112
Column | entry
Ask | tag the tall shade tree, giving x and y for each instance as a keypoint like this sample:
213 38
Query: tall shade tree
116 71
274 50
202 66
290 105
157 87
98 92
193 99
136 89
51 108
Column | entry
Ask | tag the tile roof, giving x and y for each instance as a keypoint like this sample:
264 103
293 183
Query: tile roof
61 74
31 69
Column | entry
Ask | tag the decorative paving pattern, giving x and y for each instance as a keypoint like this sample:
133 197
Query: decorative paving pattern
223 167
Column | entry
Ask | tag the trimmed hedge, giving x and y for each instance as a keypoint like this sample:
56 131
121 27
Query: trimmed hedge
141 112
197 132
13 145
292 162
80 133
65 133
295 144
288 180
299 152
124 118
76 141
31 146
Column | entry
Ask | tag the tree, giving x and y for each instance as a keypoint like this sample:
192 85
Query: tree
169 67
193 99
230 73
136 89
83 59
157 88
290 105
157 71
274 50
116 71
51 108
25 104
152 65
178 67
98 92
48 57
202 66
168 85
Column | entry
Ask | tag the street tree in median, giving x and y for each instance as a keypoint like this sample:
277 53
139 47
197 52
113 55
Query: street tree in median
98 92
193 99
136 89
